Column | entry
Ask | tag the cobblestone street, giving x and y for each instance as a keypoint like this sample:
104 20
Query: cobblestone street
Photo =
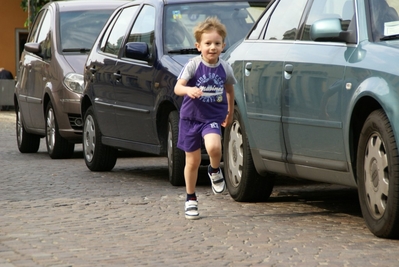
58 213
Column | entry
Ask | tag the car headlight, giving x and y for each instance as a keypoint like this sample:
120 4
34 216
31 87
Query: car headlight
74 82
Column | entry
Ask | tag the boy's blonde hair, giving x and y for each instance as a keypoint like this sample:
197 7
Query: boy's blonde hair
209 24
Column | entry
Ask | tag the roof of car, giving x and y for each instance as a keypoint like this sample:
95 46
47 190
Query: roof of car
171 2
87 4
167 2
190 1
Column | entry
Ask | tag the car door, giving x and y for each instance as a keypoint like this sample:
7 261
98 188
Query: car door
26 79
134 87
102 66
35 66
40 71
263 69
314 94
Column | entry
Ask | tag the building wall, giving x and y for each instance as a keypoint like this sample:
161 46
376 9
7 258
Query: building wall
12 19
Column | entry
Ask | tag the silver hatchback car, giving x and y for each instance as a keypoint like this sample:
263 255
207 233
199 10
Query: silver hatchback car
50 79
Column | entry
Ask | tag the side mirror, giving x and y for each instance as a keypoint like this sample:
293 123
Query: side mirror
33 48
330 30
137 50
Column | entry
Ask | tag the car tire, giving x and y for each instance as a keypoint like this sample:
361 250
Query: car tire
98 157
242 180
27 142
377 176
176 156
57 146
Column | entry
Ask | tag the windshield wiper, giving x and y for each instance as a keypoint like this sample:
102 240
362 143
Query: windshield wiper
390 37
185 51
81 50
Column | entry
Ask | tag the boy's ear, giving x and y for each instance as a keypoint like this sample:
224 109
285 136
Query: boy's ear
197 45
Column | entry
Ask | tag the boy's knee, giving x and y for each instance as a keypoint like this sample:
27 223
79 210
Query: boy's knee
215 150
193 164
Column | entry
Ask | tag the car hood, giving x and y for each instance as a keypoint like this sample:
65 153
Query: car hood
76 62
175 63
182 59
391 43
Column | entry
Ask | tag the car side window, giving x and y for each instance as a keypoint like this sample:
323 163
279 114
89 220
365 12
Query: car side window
35 27
104 39
115 38
285 19
144 27
260 25
324 9
44 37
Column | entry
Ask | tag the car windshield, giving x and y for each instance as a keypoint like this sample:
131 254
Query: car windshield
79 29
384 19
180 20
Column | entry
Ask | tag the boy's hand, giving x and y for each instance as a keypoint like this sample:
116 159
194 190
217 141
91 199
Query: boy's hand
194 92
228 120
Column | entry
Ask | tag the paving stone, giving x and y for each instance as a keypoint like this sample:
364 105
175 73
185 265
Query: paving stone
58 213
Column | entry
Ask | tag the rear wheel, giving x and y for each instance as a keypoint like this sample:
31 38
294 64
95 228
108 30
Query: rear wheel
27 143
176 157
57 146
378 176
242 180
98 157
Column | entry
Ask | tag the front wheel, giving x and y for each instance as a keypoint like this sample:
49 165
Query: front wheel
378 176
176 157
242 180
57 146
98 157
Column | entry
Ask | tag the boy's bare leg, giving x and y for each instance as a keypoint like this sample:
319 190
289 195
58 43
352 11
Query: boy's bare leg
214 148
213 145
193 161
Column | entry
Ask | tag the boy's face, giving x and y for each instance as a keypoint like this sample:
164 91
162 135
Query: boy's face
211 46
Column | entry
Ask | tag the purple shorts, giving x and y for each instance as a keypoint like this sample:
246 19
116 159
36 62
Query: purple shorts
191 133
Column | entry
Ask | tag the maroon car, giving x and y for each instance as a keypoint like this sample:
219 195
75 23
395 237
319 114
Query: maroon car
50 78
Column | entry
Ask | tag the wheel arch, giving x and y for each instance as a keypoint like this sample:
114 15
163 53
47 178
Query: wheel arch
46 100
239 102
84 105
16 103
164 109
362 109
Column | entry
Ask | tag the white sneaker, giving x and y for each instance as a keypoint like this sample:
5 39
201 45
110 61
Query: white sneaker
191 210
217 180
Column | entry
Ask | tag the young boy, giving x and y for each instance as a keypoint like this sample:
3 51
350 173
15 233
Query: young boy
206 82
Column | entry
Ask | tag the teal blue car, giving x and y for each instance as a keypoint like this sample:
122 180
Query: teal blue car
318 98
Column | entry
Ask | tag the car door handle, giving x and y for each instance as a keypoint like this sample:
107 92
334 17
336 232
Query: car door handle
117 76
248 68
288 69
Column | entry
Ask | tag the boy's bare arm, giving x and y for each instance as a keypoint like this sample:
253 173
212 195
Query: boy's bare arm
182 89
230 104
